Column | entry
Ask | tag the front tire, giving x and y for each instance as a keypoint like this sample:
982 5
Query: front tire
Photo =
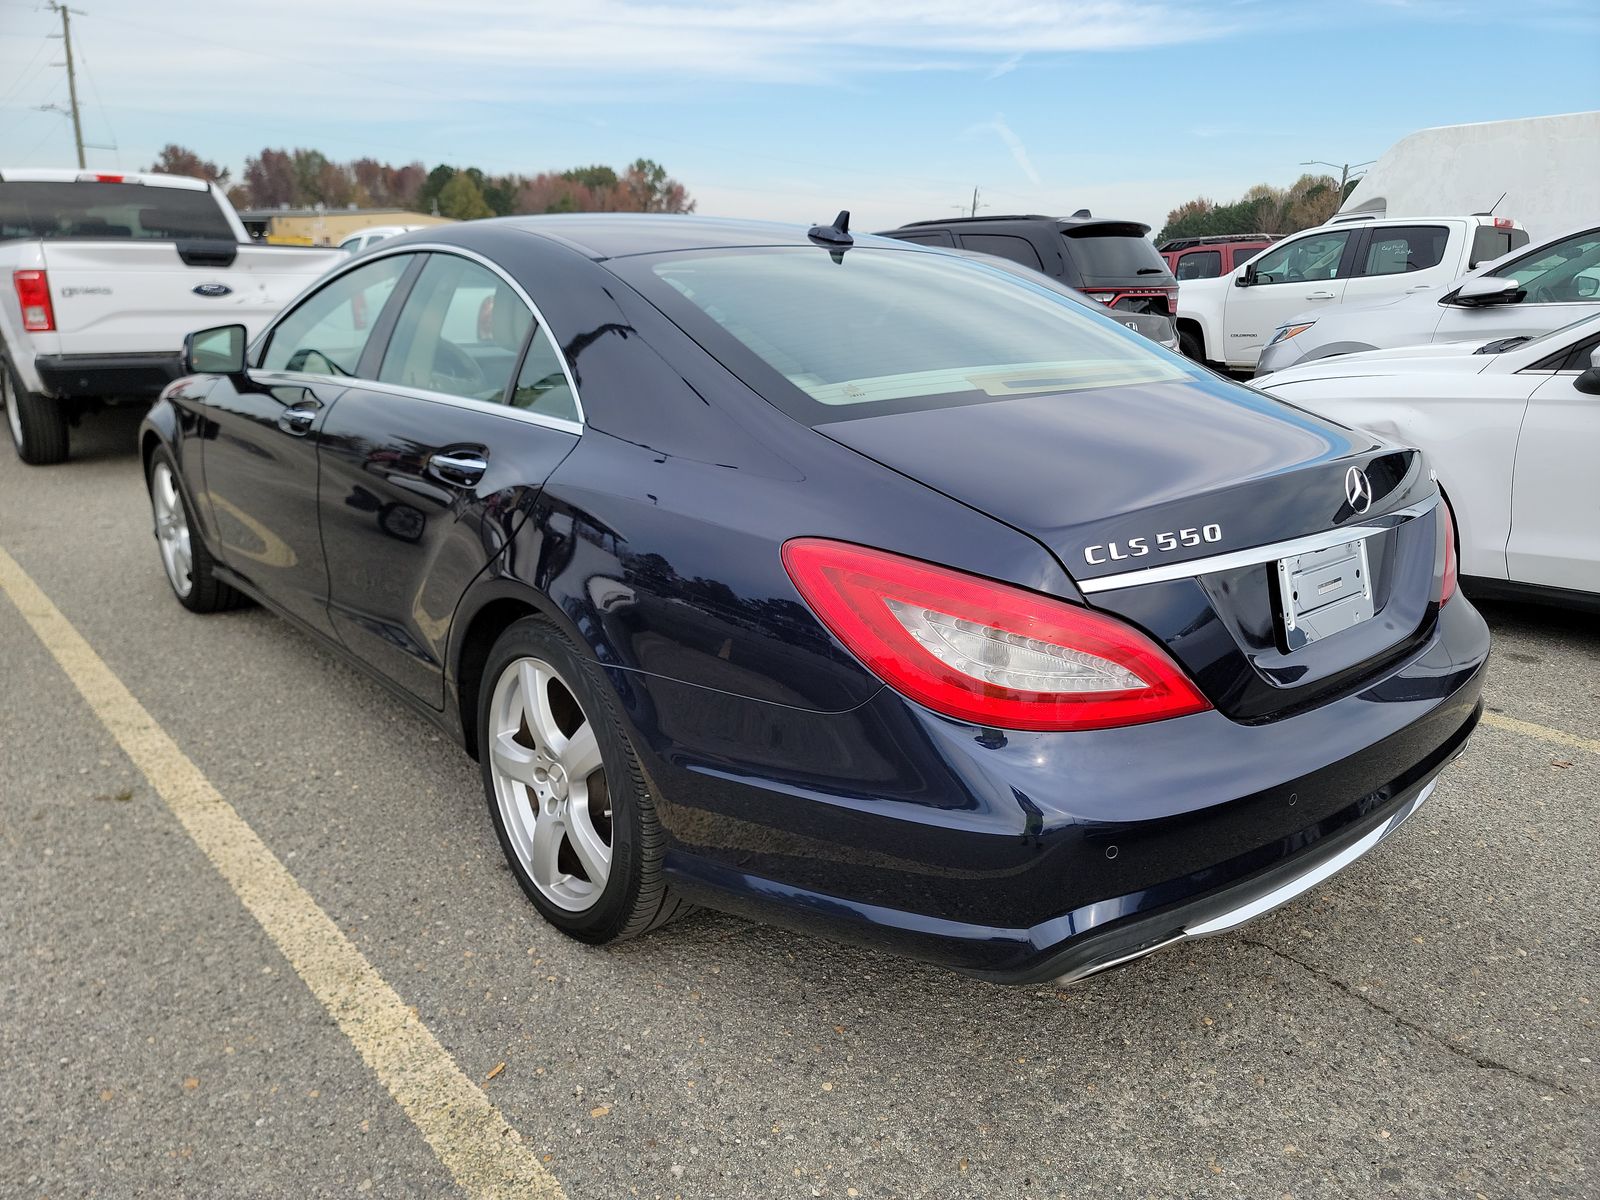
570 806
1189 343
38 427
184 557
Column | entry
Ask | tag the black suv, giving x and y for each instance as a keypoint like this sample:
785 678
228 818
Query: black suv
1109 261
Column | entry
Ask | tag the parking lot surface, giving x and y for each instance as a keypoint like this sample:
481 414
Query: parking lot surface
1422 1025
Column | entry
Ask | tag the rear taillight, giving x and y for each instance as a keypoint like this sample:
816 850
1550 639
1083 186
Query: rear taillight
986 652
1447 530
33 293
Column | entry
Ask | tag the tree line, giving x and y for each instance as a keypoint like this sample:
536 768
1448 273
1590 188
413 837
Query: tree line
1308 201
306 178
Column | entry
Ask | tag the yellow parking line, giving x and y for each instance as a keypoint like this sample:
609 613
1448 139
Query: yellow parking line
473 1141
1542 732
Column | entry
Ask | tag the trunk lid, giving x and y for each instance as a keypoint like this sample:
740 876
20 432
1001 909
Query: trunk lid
145 296
1127 484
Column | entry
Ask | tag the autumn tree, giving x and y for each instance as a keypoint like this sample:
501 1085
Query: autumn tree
1309 201
180 160
302 177
462 200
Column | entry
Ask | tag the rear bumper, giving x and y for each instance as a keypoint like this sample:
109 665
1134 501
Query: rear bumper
1021 858
106 376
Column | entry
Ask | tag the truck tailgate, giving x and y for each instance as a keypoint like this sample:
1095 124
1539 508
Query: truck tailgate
140 297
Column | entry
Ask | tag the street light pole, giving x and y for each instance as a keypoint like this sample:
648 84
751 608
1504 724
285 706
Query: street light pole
1344 169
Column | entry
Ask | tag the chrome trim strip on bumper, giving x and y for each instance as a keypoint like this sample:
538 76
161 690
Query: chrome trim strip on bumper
1260 905
1256 555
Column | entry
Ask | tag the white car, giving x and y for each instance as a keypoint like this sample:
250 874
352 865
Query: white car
1513 434
357 242
1534 291
1356 258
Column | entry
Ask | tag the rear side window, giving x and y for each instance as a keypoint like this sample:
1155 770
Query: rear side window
1200 264
1405 248
459 333
1489 243
326 334
98 211
1114 253
542 385
1018 250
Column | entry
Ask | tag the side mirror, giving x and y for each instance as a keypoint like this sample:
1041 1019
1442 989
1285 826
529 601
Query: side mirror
1248 278
218 351
1587 287
1589 382
1485 290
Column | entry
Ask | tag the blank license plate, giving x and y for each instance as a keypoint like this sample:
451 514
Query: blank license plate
1323 592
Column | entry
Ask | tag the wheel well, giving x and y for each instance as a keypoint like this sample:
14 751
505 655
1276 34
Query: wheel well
487 625
147 450
1192 327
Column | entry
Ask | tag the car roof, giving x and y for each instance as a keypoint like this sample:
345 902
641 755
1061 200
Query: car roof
616 235
59 175
1059 222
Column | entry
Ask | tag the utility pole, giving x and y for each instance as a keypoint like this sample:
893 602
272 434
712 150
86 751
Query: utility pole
72 79
975 205
1344 169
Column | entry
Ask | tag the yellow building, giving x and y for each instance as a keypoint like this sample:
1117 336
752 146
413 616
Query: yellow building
325 227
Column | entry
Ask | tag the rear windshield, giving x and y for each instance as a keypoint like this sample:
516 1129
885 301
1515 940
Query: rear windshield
54 211
884 330
1114 252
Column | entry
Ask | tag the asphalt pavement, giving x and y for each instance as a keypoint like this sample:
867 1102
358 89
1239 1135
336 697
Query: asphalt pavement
1424 1025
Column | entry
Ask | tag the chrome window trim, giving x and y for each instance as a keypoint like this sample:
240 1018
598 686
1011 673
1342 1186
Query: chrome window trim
1256 555
367 259
484 406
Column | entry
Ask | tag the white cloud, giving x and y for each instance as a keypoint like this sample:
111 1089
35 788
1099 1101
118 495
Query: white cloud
1013 143
1006 67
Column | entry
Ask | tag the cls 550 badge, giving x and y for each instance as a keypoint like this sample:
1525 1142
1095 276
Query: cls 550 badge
1165 543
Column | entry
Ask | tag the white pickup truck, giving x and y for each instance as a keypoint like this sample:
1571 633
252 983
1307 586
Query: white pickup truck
1355 258
102 276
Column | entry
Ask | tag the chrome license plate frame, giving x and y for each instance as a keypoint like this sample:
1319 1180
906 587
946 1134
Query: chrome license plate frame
1322 592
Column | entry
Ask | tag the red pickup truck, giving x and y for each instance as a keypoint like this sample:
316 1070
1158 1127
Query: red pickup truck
1209 257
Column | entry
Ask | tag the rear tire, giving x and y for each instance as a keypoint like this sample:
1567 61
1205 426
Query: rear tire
570 806
184 557
38 426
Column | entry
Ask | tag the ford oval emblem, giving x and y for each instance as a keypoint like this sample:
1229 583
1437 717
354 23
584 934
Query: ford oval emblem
213 290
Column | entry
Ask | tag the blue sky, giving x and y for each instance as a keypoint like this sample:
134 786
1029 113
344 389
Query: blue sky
794 110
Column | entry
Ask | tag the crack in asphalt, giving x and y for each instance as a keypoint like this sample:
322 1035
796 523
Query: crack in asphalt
1477 1060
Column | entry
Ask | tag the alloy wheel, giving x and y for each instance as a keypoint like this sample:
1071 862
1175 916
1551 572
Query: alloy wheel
172 529
550 784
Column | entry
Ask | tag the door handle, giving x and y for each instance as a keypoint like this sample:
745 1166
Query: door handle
462 469
297 422
1319 296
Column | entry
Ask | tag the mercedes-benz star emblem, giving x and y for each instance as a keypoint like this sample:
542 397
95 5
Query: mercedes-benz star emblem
1357 490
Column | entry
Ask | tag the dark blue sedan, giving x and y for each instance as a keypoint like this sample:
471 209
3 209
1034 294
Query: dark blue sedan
845 583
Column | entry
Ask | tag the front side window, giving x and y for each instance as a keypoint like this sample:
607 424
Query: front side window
1200 264
1307 258
326 334
1563 273
459 333
1405 248
882 330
